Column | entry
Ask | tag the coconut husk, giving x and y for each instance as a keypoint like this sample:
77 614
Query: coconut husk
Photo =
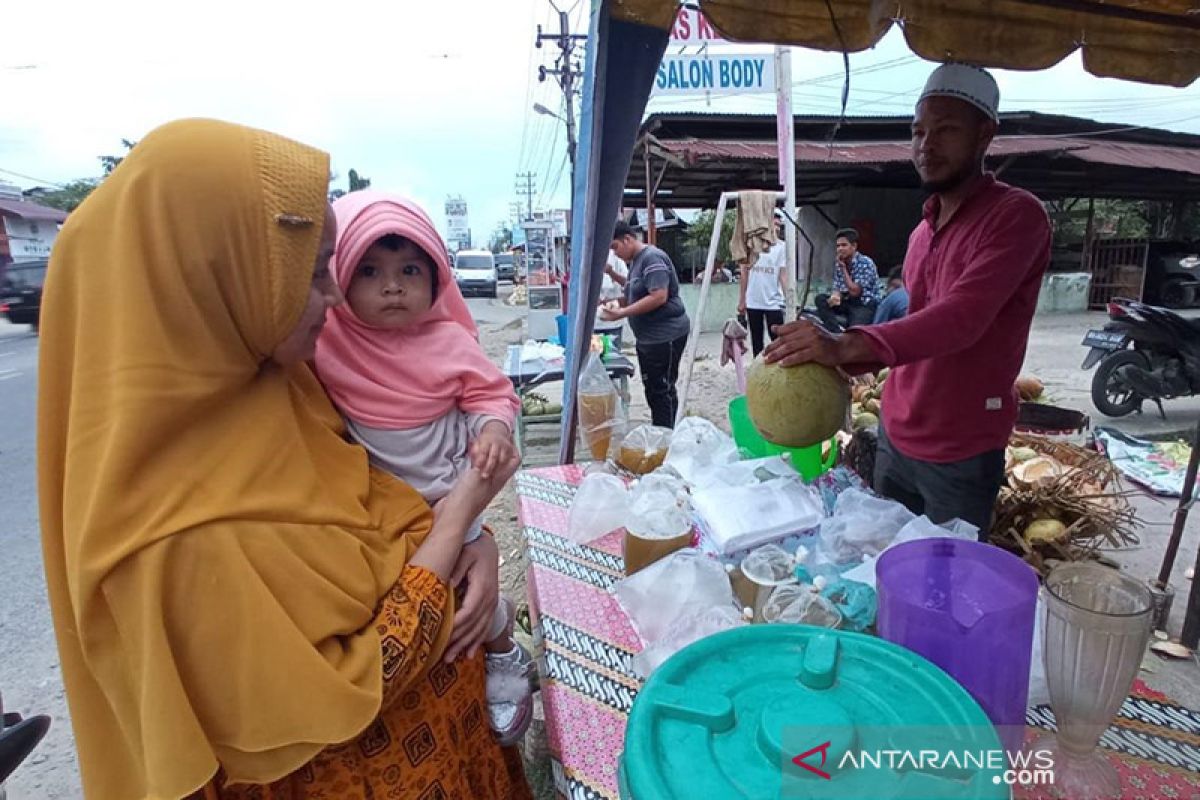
1078 487
859 453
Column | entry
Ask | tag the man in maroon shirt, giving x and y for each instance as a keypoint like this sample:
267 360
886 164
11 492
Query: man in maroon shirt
973 269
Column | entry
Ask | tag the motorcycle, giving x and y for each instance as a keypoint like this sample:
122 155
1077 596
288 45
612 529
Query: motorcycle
1144 353
18 737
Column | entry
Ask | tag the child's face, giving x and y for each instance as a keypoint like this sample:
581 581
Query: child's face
392 288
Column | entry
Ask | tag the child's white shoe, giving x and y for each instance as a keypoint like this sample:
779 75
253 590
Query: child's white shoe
510 699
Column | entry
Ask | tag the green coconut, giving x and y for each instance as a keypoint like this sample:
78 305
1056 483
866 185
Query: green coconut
865 420
796 406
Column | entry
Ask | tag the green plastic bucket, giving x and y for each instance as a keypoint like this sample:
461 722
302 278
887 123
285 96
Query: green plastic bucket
808 461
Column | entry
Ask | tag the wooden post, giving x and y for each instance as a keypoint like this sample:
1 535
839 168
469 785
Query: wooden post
1089 236
651 230
689 350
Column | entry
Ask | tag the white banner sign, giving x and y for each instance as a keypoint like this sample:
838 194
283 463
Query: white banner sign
691 27
718 74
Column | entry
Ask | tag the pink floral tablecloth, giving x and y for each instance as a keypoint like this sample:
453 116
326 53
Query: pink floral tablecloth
586 644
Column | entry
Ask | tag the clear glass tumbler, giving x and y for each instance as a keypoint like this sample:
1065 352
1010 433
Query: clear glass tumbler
1097 628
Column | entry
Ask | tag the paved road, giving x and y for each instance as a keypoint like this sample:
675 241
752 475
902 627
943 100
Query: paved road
29 676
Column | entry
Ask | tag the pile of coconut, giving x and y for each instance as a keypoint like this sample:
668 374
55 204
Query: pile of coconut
1060 502
866 394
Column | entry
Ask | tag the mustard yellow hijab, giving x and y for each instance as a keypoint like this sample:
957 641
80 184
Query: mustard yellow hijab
213 548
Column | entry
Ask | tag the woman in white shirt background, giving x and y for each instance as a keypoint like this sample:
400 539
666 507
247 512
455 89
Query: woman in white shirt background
762 298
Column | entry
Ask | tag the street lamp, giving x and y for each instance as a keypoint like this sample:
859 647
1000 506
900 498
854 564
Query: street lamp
568 121
541 109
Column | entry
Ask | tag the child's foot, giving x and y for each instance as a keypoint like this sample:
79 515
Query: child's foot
510 699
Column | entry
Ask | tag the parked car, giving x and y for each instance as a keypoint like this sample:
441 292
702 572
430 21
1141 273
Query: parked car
21 292
506 270
475 272
1173 274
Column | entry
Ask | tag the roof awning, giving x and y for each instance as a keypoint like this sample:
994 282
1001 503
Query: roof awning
31 211
1152 41
1118 154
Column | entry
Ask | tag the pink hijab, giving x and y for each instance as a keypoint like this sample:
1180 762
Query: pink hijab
402 379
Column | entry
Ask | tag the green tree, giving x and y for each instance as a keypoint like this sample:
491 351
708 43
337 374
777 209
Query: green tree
699 234
502 239
70 196
112 162
357 183
1124 219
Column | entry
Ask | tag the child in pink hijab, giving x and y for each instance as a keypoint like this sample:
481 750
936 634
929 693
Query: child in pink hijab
401 360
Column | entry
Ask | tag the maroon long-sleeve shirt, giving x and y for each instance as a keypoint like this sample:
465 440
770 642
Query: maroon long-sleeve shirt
973 287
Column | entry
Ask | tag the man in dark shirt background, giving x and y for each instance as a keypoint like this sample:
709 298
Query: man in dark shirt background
895 304
656 315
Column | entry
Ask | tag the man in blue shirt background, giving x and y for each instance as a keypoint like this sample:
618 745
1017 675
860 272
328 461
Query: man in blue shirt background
895 305
856 291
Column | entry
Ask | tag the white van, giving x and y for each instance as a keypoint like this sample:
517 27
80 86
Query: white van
475 271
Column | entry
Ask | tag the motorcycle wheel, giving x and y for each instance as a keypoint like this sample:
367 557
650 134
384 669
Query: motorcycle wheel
1110 396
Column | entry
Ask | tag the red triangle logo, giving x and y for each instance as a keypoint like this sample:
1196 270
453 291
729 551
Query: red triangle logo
823 749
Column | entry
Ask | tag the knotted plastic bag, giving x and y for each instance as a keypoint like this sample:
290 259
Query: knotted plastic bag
701 452
862 525
658 507
691 627
683 583
644 449
801 604
598 507
658 520
601 415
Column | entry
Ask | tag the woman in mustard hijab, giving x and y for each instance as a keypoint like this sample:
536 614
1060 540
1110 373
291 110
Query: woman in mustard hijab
243 607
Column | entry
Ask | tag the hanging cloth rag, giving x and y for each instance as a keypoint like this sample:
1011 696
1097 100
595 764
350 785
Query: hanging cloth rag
733 347
754 231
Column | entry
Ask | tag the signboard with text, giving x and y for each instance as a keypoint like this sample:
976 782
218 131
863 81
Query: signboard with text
716 74
458 232
692 27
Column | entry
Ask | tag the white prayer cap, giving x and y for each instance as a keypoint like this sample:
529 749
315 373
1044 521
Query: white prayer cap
966 82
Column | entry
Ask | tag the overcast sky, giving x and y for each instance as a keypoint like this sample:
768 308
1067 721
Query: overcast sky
427 99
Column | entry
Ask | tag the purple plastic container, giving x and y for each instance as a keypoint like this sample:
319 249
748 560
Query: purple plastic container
969 608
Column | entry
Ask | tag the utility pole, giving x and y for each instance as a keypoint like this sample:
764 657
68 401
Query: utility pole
565 71
525 187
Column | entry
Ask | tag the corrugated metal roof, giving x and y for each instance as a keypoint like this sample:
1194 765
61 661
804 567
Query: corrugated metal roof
1122 154
31 211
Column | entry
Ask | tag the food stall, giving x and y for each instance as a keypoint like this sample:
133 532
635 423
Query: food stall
730 661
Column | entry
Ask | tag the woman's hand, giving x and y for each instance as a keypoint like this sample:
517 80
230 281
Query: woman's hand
493 449
479 565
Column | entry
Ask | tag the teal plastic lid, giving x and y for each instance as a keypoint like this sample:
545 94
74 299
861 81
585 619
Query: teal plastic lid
726 716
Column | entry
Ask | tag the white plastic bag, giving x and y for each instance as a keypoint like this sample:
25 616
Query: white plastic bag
599 507
689 628
861 525
601 413
923 527
741 517
684 583
919 528
699 451
800 604
768 564
658 507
